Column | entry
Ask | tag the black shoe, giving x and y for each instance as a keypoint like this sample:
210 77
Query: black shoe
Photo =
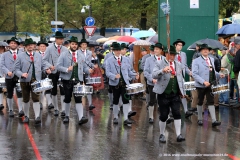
150 120
21 113
180 138
1 107
37 120
188 114
131 113
11 114
91 107
63 114
162 138
56 112
66 119
200 122
170 120
111 107
192 109
115 121
83 120
216 123
127 121
41 106
50 106
26 119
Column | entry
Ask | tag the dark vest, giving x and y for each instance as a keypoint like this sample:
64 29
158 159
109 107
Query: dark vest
75 72
172 86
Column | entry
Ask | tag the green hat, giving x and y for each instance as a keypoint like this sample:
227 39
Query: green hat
13 39
123 45
204 46
113 44
59 34
83 41
29 41
179 41
116 46
159 45
143 49
73 39
172 50
151 48
42 42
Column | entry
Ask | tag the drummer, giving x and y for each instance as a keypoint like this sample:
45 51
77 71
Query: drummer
118 71
169 87
28 68
124 49
42 46
204 74
7 67
71 65
148 69
50 60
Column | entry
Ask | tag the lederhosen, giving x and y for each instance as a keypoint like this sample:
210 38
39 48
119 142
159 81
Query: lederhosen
207 90
55 79
11 84
68 85
120 89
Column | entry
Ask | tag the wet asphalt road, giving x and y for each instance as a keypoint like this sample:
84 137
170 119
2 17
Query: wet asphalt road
99 139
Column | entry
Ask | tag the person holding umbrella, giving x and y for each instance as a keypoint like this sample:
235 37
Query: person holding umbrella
182 58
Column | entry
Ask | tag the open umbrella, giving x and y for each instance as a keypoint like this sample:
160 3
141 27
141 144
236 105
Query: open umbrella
109 42
142 42
95 37
93 43
126 39
211 42
102 40
114 38
3 44
143 33
229 29
153 39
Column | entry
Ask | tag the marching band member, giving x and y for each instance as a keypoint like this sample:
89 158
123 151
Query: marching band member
169 87
7 67
28 66
42 46
88 61
50 59
182 58
124 48
72 66
204 74
148 69
119 74
2 50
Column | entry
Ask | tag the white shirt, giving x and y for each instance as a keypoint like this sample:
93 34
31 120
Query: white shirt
208 60
57 45
75 54
14 51
85 52
158 57
118 57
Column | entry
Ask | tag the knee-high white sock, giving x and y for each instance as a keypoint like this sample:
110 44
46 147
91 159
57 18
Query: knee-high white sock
89 97
55 102
110 95
177 124
115 111
1 98
199 110
10 104
79 108
150 111
62 103
36 108
67 109
162 126
20 104
212 112
26 107
130 106
125 111
120 103
147 98
184 103
49 99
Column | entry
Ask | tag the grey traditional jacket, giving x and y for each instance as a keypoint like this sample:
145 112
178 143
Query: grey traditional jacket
183 62
88 58
144 60
110 54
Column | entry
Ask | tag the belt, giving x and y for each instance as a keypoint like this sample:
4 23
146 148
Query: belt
172 76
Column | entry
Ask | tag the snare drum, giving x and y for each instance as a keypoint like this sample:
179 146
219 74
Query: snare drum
80 90
2 83
189 86
42 85
93 80
134 88
220 88
18 87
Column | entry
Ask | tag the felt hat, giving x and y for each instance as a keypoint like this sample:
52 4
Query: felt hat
13 39
83 41
116 46
29 41
204 46
59 34
179 41
73 39
172 50
42 42
123 45
158 45
151 48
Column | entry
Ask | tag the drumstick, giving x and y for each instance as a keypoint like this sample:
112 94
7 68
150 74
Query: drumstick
116 68
88 65
28 69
